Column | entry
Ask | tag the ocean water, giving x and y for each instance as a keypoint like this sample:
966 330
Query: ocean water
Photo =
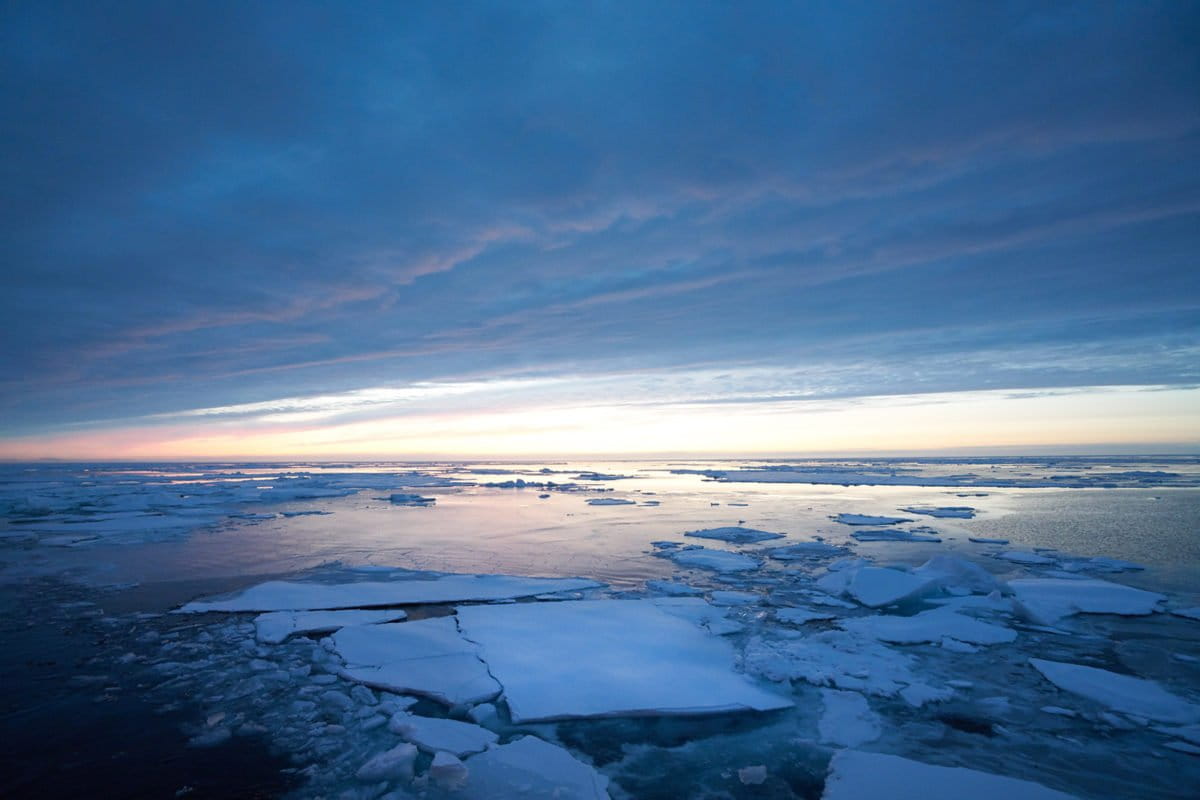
94 557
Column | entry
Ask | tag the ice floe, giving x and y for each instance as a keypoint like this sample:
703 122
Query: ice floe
929 626
276 626
1047 600
804 551
291 596
717 560
846 719
1124 693
735 534
957 575
875 586
986 540
426 657
1189 613
856 775
402 499
867 519
609 501
800 616
942 512
894 535
531 769
433 735
608 658
1026 557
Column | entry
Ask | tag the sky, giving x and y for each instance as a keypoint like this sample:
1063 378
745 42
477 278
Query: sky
302 229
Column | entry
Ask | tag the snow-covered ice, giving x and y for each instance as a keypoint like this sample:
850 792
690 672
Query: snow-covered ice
276 626
427 657
1124 693
735 534
929 626
289 596
894 535
595 658
856 775
942 512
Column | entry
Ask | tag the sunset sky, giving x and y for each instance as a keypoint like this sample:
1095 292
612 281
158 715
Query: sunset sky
503 229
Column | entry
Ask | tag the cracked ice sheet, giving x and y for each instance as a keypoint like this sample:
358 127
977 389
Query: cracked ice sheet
427 657
289 596
276 626
1047 600
855 775
608 658
1123 693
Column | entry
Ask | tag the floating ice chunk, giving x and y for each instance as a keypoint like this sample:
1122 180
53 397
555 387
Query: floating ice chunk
929 626
717 560
855 775
942 512
894 535
1123 693
953 573
1100 564
609 501
846 719
736 534
1025 557
391 765
401 499
530 769
1189 613
986 540
276 626
799 616
1047 600
918 694
431 735
728 598
447 772
805 550
288 596
867 519
753 776
674 588
626 657
879 586
832 658
426 657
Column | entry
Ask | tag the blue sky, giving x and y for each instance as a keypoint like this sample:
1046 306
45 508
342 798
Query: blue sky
316 214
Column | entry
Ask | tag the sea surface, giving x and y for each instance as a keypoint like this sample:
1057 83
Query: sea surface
94 557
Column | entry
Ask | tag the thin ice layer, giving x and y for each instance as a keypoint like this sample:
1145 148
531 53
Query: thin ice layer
735 534
606 658
426 657
854 775
289 596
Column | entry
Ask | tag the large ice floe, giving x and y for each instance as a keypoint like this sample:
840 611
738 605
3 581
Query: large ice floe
736 534
857 775
291 596
716 560
1047 600
1124 693
608 658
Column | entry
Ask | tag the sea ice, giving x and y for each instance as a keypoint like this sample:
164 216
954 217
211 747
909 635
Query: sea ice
985 540
805 550
390 765
427 657
1123 693
401 499
596 658
855 775
958 575
447 772
288 596
729 598
609 501
879 586
867 519
1025 557
799 616
846 719
1047 600
1189 613
531 769
717 560
276 626
929 626
942 512
673 588
735 534
894 535
432 735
